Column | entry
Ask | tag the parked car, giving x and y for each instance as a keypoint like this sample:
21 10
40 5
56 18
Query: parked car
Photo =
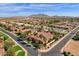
23 43
28 45
19 39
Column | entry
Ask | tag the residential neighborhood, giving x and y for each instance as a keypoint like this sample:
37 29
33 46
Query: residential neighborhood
39 34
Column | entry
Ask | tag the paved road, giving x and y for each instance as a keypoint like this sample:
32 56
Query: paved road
31 51
55 51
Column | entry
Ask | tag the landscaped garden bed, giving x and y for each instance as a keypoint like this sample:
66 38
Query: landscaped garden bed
10 47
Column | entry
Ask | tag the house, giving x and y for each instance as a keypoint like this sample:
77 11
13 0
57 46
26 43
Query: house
42 37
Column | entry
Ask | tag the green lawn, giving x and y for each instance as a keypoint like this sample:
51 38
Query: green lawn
10 47
16 48
20 53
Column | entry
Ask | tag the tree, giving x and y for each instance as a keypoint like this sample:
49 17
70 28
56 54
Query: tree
66 53
76 37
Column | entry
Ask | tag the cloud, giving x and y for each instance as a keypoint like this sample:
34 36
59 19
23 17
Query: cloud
6 9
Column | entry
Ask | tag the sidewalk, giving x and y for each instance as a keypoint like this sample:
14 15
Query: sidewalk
46 50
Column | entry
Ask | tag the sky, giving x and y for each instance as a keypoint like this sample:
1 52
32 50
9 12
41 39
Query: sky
26 9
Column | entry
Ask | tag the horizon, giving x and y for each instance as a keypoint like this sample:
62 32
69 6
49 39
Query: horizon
51 9
38 14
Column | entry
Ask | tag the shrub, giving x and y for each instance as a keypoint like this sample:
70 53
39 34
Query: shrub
76 37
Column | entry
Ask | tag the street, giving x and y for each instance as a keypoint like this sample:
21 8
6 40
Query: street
55 51
30 50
